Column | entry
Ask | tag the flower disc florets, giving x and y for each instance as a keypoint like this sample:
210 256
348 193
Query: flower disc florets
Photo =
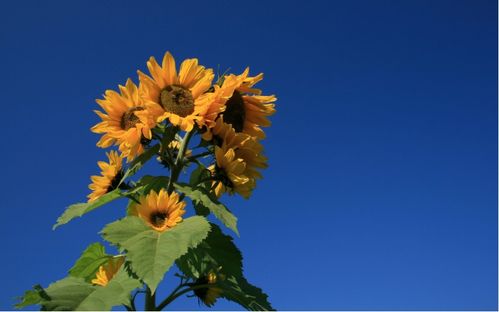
178 100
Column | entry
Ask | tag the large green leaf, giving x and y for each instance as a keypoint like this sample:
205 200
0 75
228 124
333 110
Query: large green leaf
152 253
89 262
216 252
78 210
138 162
73 293
201 196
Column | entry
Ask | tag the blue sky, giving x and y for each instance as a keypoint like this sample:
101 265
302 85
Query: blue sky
382 186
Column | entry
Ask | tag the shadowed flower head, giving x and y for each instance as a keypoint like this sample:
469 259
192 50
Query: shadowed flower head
247 110
208 295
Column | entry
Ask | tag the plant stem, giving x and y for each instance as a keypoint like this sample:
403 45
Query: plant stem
174 295
150 304
179 164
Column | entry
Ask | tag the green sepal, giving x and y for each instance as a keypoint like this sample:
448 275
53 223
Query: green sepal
201 196
89 262
155 183
151 253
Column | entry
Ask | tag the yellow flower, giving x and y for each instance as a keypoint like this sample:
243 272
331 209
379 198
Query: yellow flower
208 295
247 110
217 99
111 175
238 160
182 97
223 133
127 120
159 210
231 172
108 271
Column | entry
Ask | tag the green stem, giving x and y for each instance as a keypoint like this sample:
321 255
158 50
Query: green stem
179 162
174 295
207 153
150 304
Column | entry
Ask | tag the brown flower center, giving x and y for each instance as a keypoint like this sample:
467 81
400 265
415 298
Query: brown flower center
129 120
235 114
158 218
177 100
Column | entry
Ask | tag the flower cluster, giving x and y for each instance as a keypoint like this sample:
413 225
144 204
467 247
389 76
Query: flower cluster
192 124
228 114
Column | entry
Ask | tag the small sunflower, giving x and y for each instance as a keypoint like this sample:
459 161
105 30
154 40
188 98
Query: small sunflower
126 121
108 271
182 97
247 110
231 173
159 210
110 177
208 295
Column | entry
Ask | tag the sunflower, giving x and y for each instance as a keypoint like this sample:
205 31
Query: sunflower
218 99
159 210
238 161
110 177
127 121
230 172
108 271
208 295
247 110
182 97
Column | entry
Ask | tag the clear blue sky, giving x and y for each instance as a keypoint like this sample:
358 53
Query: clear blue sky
382 186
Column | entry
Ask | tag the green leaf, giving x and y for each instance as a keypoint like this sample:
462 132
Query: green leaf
78 210
89 262
73 293
203 197
31 297
217 250
218 253
138 162
152 253
249 296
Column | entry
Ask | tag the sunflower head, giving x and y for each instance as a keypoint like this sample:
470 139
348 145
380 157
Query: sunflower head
111 174
179 96
247 110
127 120
108 271
161 211
230 173
208 295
